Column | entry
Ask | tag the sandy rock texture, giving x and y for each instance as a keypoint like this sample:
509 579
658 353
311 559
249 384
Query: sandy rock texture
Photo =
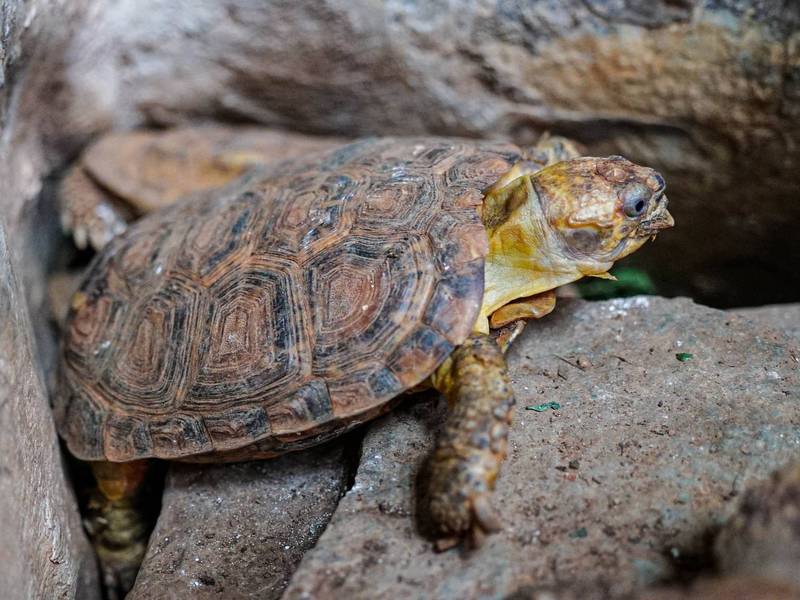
758 548
783 317
238 531
621 486
43 553
708 91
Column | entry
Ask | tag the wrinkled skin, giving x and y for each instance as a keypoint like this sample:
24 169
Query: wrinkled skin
552 226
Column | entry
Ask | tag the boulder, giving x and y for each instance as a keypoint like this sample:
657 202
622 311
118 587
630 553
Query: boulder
43 551
664 412
707 91
239 530
783 317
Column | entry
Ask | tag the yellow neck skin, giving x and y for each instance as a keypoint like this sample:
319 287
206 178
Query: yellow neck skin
525 257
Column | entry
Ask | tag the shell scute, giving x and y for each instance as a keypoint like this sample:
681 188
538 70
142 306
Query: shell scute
282 310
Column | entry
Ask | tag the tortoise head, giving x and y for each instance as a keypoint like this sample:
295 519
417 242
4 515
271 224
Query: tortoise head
602 208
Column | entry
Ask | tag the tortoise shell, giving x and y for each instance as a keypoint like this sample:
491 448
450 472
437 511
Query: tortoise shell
281 310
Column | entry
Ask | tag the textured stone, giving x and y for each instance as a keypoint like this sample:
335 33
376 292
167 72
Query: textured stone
618 488
757 551
763 537
707 91
43 552
238 530
783 317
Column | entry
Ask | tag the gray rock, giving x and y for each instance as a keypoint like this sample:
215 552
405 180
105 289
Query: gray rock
707 91
783 317
43 552
757 551
238 531
610 492
763 537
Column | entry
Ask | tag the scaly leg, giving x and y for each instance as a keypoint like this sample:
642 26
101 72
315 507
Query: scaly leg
116 523
473 443
90 213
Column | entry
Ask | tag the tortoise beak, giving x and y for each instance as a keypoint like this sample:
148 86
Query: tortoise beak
660 219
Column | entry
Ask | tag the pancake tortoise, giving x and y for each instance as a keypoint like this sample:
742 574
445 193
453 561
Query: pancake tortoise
306 297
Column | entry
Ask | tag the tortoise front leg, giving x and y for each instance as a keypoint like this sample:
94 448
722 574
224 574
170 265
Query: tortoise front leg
473 442
89 212
117 524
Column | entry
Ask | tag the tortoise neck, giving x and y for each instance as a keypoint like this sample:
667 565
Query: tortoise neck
524 257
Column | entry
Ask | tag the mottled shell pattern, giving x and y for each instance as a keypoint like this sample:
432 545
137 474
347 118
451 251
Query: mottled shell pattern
282 310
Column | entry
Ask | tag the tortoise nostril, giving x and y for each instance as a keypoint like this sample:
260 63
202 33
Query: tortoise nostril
656 182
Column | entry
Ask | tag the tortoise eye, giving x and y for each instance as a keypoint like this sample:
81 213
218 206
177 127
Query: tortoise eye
634 199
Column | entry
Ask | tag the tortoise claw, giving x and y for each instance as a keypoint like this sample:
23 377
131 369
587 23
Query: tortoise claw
485 516
88 212
483 520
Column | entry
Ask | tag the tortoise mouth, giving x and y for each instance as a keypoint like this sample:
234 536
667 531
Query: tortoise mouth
660 219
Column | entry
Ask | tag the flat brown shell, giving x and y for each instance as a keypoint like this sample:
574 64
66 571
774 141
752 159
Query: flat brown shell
281 310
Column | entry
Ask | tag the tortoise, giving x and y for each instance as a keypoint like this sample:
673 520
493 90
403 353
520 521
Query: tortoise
308 296
130 173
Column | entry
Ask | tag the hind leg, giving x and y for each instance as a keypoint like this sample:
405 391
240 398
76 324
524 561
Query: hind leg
116 523
88 212
551 149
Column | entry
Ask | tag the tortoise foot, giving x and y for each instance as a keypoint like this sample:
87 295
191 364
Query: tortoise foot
462 519
119 534
118 524
88 213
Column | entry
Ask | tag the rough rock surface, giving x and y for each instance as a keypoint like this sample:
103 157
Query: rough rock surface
758 549
708 91
238 531
620 487
43 553
783 317
763 538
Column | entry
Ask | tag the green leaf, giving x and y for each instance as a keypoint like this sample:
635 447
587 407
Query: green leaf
579 533
630 282
544 407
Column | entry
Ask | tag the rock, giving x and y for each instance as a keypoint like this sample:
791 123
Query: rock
723 588
707 91
757 550
238 530
43 551
618 487
763 537
783 317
